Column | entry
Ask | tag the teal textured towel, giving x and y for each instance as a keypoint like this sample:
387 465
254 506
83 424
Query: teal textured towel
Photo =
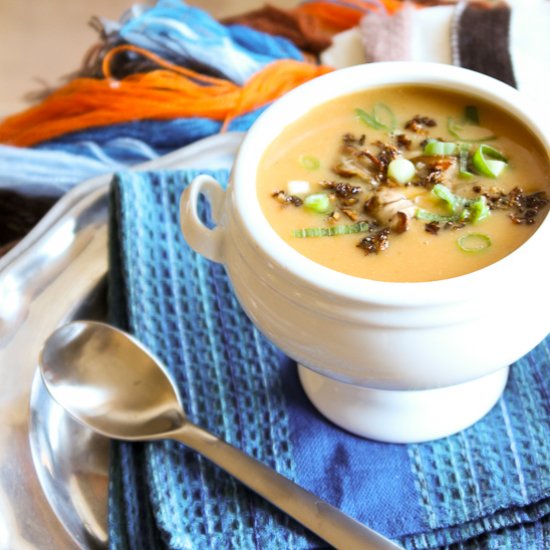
487 487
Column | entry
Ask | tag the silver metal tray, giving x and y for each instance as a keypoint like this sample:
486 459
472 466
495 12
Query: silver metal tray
54 472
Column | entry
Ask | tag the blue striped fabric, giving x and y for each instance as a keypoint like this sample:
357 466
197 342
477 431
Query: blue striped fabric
487 487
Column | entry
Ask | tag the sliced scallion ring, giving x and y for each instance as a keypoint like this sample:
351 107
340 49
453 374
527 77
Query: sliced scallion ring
318 202
474 242
335 230
436 147
309 162
401 170
488 161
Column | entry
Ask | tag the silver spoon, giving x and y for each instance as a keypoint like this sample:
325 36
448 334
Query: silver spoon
109 382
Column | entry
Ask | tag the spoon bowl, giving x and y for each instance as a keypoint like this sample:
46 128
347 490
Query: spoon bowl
106 379
109 382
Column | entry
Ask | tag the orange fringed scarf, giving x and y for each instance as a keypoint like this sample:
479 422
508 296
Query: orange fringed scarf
172 92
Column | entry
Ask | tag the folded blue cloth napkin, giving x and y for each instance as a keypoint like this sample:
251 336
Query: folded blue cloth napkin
486 487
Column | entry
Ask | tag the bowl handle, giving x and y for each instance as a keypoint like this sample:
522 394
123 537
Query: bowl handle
207 242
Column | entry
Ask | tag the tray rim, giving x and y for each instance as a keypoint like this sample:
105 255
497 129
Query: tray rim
86 203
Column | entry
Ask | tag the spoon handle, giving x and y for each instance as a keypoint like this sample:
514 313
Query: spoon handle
329 523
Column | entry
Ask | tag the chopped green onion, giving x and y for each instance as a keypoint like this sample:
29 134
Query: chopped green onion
471 114
380 118
381 111
478 210
453 202
474 242
401 170
460 209
427 216
359 227
488 161
318 202
436 147
369 120
496 167
463 172
454 127
309 162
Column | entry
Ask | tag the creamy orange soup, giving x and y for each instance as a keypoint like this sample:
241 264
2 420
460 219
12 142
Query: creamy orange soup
405 184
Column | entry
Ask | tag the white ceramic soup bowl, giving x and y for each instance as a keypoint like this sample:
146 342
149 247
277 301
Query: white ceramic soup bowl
399 362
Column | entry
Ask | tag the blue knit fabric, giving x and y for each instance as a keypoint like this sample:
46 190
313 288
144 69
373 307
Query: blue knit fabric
190 36
52 168
487 487
163 136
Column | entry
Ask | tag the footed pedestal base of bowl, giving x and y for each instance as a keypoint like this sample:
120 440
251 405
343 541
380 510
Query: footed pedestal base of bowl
403 416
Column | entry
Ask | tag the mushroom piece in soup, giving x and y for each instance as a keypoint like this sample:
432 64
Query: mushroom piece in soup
405 183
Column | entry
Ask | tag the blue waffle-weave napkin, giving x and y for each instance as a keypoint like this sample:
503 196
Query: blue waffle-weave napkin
487 487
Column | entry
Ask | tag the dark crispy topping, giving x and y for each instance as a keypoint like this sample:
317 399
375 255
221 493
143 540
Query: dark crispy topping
356 160
527 207
403 142
419 124
454 225
375 242
350 139
524 207
435 227
431 177
432 228
433 170
386 154
342 190
285 198
353 160
435 176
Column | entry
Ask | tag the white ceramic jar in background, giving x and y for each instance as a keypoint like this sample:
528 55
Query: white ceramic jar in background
399 362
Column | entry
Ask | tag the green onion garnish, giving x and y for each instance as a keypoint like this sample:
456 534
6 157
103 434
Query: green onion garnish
478 210
474 242
463 154
456 128
471 114
359 227
453 203
318 202
488 161
427 216
401 170
436 147
380 118
460 209
309 162
382 111
367 119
